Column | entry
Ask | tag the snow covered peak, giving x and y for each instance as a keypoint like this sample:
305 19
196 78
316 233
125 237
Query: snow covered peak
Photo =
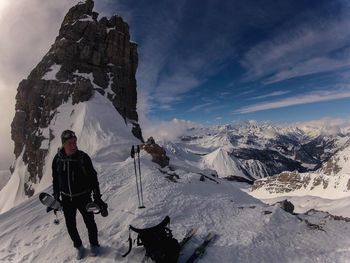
225 165
106 137
84 59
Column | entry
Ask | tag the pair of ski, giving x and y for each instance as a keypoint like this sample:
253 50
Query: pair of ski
136 152
200 249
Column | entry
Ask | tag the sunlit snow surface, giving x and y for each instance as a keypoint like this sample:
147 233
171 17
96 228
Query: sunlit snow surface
248 230
101 132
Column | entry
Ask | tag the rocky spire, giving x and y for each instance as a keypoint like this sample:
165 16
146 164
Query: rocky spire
88 55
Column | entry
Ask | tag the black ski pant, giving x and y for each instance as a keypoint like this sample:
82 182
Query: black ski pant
70 207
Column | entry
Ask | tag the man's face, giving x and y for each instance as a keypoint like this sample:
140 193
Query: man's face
70 146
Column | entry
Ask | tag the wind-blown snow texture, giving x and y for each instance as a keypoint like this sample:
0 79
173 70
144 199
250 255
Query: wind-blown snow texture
249 230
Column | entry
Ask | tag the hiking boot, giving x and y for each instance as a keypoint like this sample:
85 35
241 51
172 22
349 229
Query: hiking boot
80 252
95 250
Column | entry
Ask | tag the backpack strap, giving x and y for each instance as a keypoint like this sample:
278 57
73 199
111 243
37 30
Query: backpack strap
162 224
130 245
82 165
59 161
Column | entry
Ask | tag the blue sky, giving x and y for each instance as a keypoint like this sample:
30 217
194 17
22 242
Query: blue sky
207 61
222 61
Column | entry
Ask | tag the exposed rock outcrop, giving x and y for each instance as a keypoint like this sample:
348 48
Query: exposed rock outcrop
157 152
339 162
88 55
286 206
283 183
297 184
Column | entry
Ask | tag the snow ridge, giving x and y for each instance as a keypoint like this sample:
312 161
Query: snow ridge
94 134
248 230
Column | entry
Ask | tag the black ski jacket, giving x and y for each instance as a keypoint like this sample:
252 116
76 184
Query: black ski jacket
74 175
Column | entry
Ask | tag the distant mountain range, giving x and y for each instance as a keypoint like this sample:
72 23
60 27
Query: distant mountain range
254 150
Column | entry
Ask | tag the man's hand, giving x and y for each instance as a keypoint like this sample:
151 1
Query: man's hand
57 197
103 206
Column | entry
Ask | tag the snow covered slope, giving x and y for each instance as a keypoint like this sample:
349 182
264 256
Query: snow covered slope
304 184
99 136
249 231
329 193
338 163
4 177
225 165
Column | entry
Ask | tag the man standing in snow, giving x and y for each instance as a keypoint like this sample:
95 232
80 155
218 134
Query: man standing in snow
74 179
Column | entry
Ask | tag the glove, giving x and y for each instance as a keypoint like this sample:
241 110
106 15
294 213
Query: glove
103 206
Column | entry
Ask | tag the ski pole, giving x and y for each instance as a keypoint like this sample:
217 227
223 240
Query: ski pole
138 158
137 185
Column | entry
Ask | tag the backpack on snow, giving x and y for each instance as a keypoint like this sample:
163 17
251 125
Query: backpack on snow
158 241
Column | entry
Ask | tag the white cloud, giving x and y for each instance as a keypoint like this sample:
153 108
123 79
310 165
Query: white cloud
200 106
166 130
3 6
7 98
304 49
176 84
216 107
224 93
311 66
327 125
28 28
344 76
312 97
163 74
272 94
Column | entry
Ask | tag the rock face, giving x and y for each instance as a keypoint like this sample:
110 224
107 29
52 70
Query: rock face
339 162
286 206
88 55
266 162
283 183
299 184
